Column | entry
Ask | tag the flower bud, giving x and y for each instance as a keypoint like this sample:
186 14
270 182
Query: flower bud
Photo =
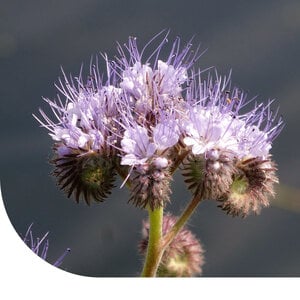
184 255
251 187
86 174
209 174
150 184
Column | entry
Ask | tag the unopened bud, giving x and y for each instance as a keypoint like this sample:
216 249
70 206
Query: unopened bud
210 175
184 255
252 185
160 162
150 185
84 174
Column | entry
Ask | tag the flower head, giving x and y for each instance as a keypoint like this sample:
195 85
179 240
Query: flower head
85 121
131 119
83 135
219 136
151 82
146 150
214 121
251 187
146 147
151 106
152 114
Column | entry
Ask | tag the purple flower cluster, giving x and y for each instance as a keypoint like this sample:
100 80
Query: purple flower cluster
148 115
214 121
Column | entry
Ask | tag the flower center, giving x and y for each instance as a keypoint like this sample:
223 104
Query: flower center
239 185
92 175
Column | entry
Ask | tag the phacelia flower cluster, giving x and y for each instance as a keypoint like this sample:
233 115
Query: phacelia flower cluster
152 113
224 142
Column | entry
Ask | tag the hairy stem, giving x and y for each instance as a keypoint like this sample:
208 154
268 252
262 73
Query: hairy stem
154 250
157 243
168 238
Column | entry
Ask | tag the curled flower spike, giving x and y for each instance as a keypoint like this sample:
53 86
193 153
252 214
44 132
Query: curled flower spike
83 156
219 136
151 184
183 257
151 113
89 175
210 174
146 150
251 188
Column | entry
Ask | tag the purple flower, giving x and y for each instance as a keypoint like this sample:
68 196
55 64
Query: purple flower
146 148
153 90
153 83
84 134
40 246
146 86
133 114
85 120
229 146
150 115
140 146
137 146
213 121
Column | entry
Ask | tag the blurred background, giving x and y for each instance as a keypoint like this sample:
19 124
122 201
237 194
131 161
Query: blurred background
258 40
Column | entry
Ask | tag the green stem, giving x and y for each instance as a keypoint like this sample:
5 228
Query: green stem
168 238
157 244
154 251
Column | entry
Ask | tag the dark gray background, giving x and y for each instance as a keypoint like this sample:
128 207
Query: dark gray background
258 40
